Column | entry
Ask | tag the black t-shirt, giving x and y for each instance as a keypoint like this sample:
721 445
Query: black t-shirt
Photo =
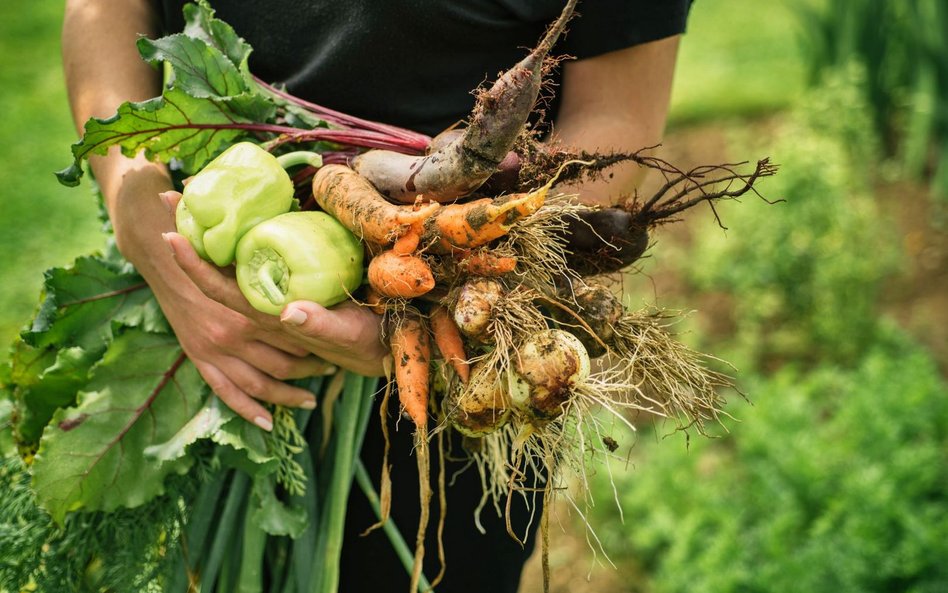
414 63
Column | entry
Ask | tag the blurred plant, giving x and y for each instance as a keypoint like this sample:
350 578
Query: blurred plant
803 274
903 45
835 482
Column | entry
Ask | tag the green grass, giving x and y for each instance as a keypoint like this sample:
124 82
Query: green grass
42 223
739 58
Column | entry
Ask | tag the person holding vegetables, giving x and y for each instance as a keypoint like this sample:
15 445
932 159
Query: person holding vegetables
411 64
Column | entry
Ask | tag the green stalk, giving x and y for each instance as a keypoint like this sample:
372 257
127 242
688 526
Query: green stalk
295 569
300 157
250 577
202 514
230 566
304 547
225 532
353 405
404 553
281 565
266 279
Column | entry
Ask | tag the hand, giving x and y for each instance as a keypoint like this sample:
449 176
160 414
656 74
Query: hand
243 363
347 334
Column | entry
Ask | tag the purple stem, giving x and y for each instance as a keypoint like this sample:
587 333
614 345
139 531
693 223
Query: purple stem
414 140
359 138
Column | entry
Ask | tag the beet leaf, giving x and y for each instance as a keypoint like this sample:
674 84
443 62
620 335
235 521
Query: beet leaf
92 455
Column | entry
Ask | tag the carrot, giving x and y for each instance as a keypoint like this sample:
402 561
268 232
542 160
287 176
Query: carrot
352 200
486 263
374 301
407 243
472 224
448 338
412 354
404 276
462 165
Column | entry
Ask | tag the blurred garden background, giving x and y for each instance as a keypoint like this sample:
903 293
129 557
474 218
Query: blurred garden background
831 304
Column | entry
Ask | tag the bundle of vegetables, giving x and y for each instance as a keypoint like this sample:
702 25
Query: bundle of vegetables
482 272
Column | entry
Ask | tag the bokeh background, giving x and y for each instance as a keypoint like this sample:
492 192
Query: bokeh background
831 305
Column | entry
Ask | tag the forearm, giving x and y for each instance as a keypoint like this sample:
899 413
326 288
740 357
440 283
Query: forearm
103 70
616 102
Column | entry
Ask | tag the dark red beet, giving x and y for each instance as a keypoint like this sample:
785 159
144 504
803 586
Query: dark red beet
603 241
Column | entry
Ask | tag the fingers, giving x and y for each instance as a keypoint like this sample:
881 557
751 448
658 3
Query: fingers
281 366
242 388
344 327
214 282
170 199
236 399
347 334
205 275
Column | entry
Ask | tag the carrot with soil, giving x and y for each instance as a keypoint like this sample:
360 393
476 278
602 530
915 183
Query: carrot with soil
400 276
477 223
412 356
352 200
448 339
486 263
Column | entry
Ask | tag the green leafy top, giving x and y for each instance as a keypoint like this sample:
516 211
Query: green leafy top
212 100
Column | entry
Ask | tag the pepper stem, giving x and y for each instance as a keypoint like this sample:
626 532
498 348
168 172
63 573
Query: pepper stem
271 275
300 157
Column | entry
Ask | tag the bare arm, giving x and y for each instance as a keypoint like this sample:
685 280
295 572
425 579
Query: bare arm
617 102
243 355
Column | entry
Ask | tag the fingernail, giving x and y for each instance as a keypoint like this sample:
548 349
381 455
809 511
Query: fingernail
331 370
166 199
293 317
263 423
169 242
308 404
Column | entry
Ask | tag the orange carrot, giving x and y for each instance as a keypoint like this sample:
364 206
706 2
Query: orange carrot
448 338
407 243
405 276
486 263
412 353
352 200
472 224
374 301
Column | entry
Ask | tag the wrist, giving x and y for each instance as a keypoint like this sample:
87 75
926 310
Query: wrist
131 188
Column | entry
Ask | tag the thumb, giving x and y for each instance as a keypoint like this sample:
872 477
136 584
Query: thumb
170 199
345 324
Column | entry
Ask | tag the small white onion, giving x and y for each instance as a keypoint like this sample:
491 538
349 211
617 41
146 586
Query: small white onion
474 308
549 365
480 407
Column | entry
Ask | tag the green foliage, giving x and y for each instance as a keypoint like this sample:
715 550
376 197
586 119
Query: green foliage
92 455
197 117
127 551
803 274
904 47
834 482
42 224
737 59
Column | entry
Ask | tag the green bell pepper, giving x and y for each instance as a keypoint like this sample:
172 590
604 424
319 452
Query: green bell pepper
242 187
298 256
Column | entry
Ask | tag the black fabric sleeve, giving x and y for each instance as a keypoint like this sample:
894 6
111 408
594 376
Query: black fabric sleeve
602 26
